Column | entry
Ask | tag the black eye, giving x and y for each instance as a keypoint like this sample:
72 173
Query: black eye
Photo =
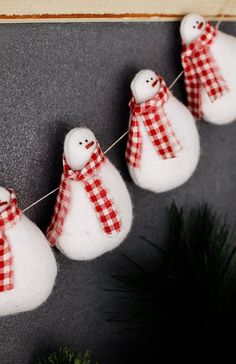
151 78
80 143
194 27
86 140
147 81
197 22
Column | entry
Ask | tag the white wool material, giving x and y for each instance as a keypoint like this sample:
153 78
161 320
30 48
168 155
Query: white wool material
222 110
161 175
34 268
83 237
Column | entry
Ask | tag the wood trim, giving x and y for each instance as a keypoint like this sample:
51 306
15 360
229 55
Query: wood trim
100 17
112 10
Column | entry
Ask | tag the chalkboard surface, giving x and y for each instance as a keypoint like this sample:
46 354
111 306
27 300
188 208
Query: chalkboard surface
54 77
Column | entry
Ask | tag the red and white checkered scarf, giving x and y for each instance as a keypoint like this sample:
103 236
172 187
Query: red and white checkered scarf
201 70
8 217
98 195
152 114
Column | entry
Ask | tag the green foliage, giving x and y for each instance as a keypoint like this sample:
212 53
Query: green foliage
65 356
184 300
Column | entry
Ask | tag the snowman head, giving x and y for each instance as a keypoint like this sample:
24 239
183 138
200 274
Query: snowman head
145 86
192 26
5 198
79 146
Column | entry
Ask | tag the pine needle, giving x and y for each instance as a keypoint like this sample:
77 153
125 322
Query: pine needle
65 356
186 301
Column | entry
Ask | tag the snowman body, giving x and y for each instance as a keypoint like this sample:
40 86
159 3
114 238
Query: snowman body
93 213
222 110
160 175
83 237
222 52
34 268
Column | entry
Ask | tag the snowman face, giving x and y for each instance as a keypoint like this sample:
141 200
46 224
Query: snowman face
4 198
145 86
192 26
79 146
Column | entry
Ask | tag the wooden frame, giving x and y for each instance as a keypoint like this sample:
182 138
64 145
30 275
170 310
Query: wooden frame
112 10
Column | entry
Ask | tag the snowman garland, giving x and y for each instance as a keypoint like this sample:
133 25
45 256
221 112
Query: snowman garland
163 144
93 211
28 267
208 59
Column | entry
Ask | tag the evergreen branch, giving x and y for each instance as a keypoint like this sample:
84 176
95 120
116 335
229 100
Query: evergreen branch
65 356
187 299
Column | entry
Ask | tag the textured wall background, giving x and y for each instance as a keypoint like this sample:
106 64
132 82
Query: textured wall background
54 77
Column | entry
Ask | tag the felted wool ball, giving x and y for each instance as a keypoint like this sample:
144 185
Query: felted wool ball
208 59
163 144
28 266
93 211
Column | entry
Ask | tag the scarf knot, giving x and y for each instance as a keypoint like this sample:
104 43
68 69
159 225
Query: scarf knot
97 193
152 114
201 70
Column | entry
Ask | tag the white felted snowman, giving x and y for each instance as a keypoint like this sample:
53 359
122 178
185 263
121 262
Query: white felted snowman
209 59
163 144
28 267
93 212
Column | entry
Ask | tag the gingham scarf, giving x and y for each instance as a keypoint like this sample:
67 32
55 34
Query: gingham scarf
8 217
200 69
152 114
98 196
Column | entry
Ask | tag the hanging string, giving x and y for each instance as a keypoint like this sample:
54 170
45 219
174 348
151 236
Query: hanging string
176 80
40 199
127 131
106 151
56 189
226 7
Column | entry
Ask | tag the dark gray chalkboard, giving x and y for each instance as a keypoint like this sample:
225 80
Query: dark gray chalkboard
54 77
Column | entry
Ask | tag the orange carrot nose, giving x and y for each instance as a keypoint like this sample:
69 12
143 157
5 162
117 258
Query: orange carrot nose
200 25
154 83
89 145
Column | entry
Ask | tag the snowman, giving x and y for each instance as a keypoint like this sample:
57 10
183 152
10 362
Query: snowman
28 266
209 58
163 145
93 212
